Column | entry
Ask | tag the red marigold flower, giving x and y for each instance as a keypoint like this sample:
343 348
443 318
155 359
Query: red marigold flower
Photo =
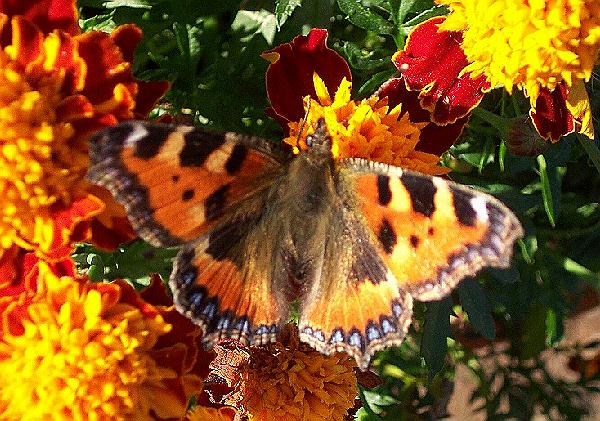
432 63
59 86
289 79
545 49
95 350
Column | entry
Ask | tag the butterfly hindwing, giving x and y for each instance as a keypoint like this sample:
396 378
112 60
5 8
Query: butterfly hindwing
430 232
176 181
355 304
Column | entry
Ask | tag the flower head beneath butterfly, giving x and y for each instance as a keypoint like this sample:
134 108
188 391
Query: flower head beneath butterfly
545 48
285 380
81 350
307 78
58 87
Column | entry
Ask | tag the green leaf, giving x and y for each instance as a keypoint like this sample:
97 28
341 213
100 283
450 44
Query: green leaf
134 262
437 328
357 59
135 4
534 331
475 302
374 83
362 17
591 149
284 9
546 190
260 22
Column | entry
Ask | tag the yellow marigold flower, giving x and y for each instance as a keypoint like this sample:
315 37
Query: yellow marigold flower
75 351
364 129
297 383
528 44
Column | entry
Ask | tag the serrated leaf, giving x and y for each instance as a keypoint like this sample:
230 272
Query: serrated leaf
437 328
284 9
475 302
260 22
362 17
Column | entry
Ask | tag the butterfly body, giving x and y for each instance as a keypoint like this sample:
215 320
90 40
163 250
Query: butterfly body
352 241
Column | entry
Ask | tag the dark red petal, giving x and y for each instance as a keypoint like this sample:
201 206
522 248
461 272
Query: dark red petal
148 95
27 40
431 63
552 119
290 76
46 14
127 37
434 138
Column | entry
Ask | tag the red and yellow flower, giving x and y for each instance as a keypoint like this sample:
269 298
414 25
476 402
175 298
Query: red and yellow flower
307 78
70 349
58 87
545 48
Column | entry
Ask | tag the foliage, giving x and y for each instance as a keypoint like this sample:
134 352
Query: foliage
210 52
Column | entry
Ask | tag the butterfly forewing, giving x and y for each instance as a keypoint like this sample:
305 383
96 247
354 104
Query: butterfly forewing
175 181
430 232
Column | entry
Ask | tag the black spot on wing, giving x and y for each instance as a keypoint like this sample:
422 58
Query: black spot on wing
465 213
384 194
187 195
198 146
215 202
236 159
421 190
149 145
175 178
387 236
414 241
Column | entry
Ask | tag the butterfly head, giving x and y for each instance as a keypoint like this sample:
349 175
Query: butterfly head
319 142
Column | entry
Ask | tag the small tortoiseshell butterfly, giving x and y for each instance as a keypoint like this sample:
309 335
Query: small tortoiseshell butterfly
353 241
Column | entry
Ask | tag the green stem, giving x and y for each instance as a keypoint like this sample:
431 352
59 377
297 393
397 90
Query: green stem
500 123
591 149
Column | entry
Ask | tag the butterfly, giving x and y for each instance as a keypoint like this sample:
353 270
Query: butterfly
349 242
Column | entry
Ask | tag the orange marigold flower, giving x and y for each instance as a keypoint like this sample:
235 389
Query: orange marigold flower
298 383
76 350
288 381
289 80
364 129
57 88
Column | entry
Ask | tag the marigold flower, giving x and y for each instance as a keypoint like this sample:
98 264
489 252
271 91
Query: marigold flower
288 381
289 80
57 88
532 45
546 48
75 350
364 129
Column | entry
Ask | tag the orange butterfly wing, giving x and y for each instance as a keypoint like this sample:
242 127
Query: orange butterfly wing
183 185
430 232
176 181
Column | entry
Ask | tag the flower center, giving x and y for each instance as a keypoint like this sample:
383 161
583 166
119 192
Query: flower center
363 129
